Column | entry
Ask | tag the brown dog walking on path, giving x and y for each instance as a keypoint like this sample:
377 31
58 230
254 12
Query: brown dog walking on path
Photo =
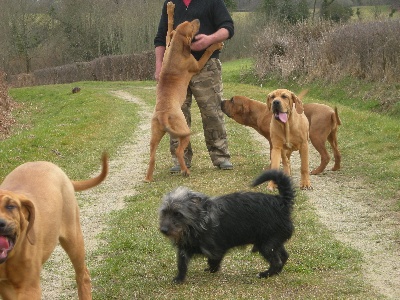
178 67
324 122
38 209
289 132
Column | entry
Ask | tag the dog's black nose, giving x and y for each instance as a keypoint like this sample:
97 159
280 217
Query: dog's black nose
164 230
275 102
3 223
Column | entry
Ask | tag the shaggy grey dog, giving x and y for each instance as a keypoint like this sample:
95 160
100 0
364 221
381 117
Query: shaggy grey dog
198 224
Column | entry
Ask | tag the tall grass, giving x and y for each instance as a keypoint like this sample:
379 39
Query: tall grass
311 50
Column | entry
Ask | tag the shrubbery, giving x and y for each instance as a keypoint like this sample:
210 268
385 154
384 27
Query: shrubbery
336 12
331 51
291 11
107 68
6 106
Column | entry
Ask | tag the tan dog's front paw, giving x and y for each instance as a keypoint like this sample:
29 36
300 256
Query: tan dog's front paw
185 173
306 186
214 47
272 186
170 6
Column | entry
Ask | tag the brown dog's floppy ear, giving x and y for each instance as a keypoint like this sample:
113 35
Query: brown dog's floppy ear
298 104
28 210
189 40
268 102
246 107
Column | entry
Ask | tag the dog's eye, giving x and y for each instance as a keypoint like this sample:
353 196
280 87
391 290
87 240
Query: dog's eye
177 215
10 207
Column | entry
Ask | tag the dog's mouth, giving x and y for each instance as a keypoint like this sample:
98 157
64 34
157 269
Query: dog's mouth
223 108
281 116
277 111
6 245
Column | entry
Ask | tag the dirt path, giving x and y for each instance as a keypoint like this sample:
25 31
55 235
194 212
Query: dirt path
341 206
338 201
126 169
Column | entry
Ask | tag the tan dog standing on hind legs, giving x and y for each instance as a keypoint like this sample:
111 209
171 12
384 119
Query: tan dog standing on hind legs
178 67
38 209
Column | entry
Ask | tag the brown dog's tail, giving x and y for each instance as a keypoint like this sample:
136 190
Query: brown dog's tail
175 133
337 117
302 94
167 127
86 184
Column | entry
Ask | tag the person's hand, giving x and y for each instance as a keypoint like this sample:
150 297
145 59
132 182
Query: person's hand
157 74
201 42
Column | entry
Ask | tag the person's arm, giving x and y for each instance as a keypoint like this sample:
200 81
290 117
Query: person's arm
159 51
160 40
224 27
202 41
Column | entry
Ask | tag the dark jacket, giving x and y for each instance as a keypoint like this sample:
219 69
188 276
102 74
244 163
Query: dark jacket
212 14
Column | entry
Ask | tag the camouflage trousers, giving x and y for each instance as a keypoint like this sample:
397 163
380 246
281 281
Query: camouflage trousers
206 87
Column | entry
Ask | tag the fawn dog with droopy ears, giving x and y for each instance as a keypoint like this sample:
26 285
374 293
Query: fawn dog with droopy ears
38 209
324 123
289 132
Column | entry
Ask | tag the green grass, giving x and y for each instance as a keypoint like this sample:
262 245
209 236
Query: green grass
71 130
137 262
374 12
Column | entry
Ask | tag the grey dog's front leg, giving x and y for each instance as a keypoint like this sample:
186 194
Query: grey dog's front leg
183 261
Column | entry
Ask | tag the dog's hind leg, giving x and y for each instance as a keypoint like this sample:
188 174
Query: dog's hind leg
156 136
332 139
283 255
273 256
180 151
72 242
213 265
319 145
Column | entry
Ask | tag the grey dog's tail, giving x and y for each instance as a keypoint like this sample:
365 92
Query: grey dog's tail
285 186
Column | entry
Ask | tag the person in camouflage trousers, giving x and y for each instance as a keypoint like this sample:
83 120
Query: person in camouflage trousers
216 25
206 87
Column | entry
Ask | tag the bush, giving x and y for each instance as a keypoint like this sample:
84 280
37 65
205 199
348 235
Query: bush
291 11
107 68
368 51
289 51
336 12
6 106
363 50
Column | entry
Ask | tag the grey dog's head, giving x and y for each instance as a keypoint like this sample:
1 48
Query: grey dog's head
182 211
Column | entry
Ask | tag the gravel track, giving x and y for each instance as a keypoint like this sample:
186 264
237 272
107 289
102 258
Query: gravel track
340 204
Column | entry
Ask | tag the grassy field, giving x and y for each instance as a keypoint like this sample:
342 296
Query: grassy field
378 12
138 263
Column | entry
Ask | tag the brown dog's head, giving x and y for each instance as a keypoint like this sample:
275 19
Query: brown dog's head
17 215
236 108
187 30
281 102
